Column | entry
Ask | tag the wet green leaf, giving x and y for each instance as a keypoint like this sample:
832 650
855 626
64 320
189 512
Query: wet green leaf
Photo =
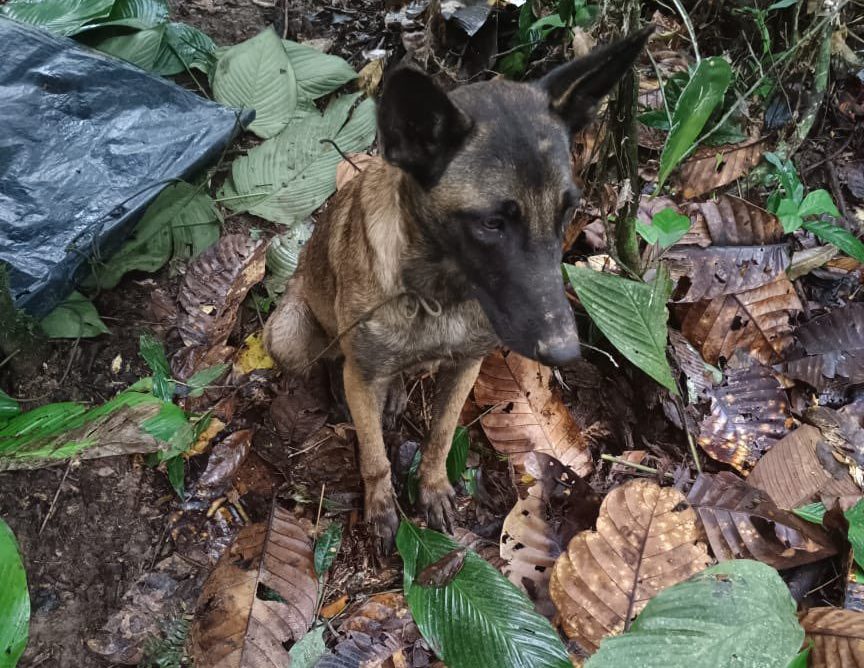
64 17
812 512
666 229
176 468
75 318
816 203
837 236
153 353
198 382
14 600
327 547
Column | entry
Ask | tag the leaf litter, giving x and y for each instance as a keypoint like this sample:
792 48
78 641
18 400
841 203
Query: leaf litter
735 290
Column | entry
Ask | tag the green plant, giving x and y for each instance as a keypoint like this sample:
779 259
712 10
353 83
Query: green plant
666 229
14 600
169 650
795 210
760 17
456 459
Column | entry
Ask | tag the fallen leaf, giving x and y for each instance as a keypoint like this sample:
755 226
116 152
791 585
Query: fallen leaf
253 355
647 539
749 414
334 608
210 432
369 77
710 168
220 277
700 376
732 221
758 321
830 349
527 412
837 636
298 412
792 475
485 548
359 650
743 523
442 572
225 461
260 598
841 432
387 612
351 166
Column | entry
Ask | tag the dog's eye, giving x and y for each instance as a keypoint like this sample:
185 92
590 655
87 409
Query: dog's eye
493 224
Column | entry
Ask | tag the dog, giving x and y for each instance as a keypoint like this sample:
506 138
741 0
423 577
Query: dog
447 248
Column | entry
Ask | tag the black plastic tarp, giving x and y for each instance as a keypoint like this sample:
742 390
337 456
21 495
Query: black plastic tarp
86 143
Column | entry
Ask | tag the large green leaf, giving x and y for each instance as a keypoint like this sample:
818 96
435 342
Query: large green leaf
318 74
153 12
838 236
184 47
738 613
140 48
286 178
74 318
181 223
64 17
697 102
479 619
14 600
257 74
855 518
8 407
816 203
632 315
153 353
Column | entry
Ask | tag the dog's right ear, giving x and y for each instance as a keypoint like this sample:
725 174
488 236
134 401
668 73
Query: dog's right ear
419 128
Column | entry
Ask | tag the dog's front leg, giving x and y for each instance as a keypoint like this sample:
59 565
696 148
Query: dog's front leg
453 383
365 404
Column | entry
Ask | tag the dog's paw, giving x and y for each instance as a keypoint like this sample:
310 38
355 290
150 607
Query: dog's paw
380 513
438 501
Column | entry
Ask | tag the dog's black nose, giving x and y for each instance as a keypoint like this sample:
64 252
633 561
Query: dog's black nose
558 352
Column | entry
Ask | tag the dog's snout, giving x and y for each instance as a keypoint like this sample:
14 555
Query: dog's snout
558 352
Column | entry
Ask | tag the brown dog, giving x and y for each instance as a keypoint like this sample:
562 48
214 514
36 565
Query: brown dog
448 247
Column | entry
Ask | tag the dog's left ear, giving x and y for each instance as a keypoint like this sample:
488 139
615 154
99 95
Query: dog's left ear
577 87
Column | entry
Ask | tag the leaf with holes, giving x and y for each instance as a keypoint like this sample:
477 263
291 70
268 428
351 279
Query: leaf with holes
14 600
710 168
791 472
749 414
257 74
830 350
75 318
64 17
731 221
647 539
631 314
837 636
260 598
286 178
743 523
527 412
479 619
736 613
758 321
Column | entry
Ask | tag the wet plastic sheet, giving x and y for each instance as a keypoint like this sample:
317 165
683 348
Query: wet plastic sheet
86 143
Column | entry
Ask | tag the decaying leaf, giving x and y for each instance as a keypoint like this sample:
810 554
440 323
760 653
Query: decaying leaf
837 636
749 414
485 548
299 411
842 433
225 460
215 284
831 349
743 523
758 321
360 650
528 413
531 538
441 573
792 475
706 273
732 221
260 598
647 539
384 613
700 376
710 168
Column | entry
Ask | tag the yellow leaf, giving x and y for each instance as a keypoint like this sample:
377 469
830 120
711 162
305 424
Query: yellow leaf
253 355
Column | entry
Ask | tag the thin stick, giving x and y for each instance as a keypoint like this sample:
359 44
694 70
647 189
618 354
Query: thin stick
634 465
685 17
54 500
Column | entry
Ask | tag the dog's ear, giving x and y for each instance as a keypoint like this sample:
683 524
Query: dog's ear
576 87
419 128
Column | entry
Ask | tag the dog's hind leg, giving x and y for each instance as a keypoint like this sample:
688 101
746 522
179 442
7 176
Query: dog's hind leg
292 335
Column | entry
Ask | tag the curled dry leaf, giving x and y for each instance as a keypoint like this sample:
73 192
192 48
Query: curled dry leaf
792 475
532 537
225 461
713 167
260 598
528 413
830 349
749 414
215 284
758 321
743 523
837 636
706 273
647 539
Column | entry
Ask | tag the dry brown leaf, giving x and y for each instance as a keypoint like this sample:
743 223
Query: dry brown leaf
732 221
360 650
330 610
387 612
749 414
706 273
486 549
260 598
712 167
831 349
758 321
647 539
528 413
689 360
215 284
351 166
743 523
792 475
837 636
225 461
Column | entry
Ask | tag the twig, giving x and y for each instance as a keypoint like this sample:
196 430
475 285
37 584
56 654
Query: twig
311 447
9 357
685 17
54 500
634 465
341 153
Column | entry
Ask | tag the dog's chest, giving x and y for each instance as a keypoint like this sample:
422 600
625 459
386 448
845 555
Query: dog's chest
411 333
